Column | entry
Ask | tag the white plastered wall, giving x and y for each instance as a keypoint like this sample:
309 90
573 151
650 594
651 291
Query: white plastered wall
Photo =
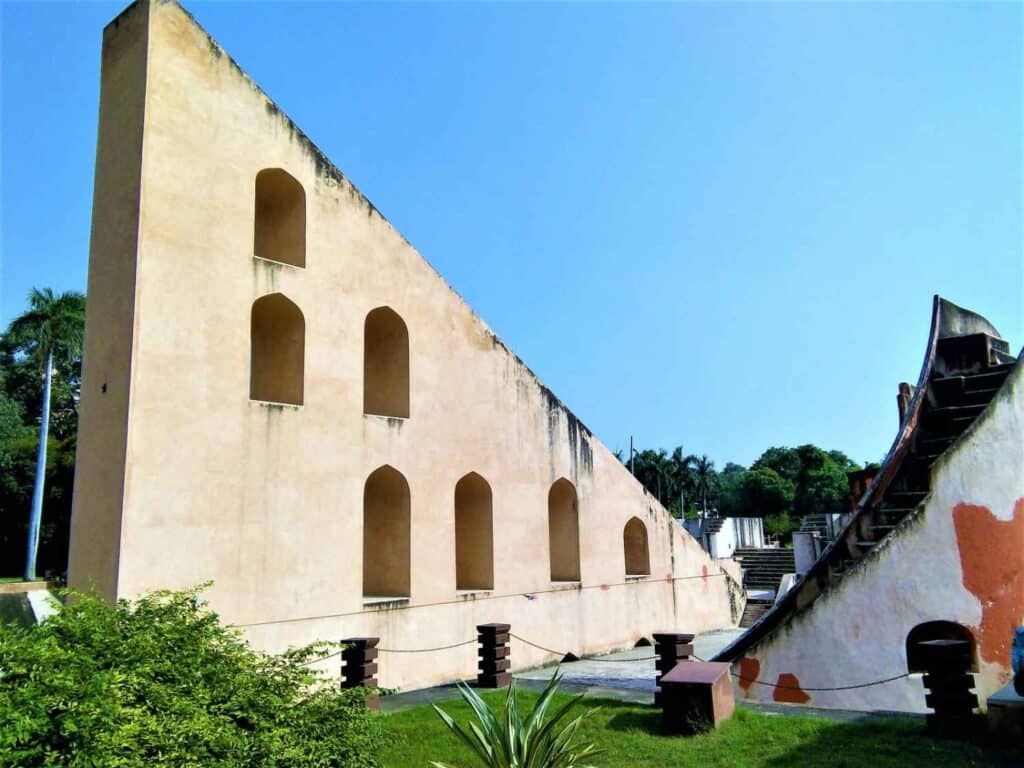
856 631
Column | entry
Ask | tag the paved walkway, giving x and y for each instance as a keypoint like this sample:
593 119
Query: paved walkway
631 670
623 675
626 676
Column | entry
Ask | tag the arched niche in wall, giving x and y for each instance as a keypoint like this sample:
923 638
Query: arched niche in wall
937 630
279 227
634 544
277 342
386 364
564 531
474 534
386 534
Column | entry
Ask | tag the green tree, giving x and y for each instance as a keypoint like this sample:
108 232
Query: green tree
780 525
13 436
669 478
785 462
160 682
684 482
49 334
730 486
765 493
705 480
821 486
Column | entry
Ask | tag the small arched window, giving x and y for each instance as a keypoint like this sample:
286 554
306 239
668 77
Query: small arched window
474 535
277 339
564 531
634 543
280 221
938 630
386 535
386 364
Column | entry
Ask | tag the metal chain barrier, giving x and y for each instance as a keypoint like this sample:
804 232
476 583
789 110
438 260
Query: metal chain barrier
427 650
819 690
749 681
396 650
581 658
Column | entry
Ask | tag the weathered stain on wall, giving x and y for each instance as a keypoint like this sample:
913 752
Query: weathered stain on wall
747 673
992 556
787 690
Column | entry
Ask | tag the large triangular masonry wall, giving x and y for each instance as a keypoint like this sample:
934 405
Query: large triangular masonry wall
186 473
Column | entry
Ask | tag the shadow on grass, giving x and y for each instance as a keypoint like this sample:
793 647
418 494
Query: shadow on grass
876 741
805 741
632 720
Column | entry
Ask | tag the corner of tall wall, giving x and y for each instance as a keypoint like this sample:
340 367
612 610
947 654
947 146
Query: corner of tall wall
100 469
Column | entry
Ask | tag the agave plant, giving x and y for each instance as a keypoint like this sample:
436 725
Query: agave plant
508 740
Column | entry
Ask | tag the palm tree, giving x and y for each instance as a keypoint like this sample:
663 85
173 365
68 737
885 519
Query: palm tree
704 479
50 332
682 472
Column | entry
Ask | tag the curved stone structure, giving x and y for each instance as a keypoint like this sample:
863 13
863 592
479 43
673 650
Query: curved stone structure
937 536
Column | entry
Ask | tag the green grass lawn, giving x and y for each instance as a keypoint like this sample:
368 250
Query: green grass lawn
630 735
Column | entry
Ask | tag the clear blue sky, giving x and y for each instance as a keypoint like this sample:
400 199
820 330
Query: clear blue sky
718 225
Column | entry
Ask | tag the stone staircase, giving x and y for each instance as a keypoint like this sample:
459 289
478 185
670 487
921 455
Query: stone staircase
818 524
713 525
966 363
972 371
754 610
764 568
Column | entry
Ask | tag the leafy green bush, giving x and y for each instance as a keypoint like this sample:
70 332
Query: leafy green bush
512 741
160 682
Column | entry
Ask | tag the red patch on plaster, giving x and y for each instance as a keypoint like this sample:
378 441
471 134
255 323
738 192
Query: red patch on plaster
668 577
990 556
605 587
790 691
749 670
704 572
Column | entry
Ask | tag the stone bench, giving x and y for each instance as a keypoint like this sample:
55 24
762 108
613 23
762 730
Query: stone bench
696 696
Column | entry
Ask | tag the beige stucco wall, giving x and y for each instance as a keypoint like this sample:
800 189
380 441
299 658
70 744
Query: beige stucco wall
267 500
960 559
110 312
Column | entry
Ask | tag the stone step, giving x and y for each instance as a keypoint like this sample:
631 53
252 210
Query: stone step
788 555
952 420
754 610
991 378
935 445
956 393
904 499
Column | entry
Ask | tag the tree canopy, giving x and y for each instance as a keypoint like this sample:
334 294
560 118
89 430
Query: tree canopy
783 485
23 347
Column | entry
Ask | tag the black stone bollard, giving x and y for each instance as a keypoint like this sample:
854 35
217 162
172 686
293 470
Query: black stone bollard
947 665
494 659
358 667
672 648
